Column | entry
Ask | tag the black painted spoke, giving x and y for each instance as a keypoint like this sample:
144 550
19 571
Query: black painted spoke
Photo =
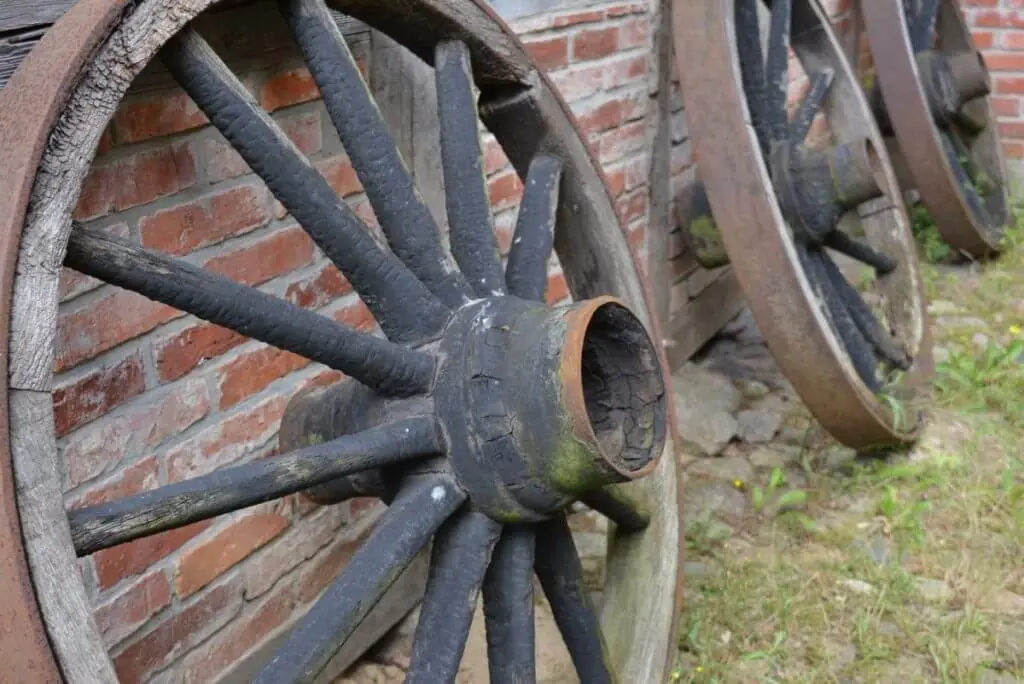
748 39
462 550
777 69
885 346
508 607
231 489
921 24
527 271
844 244
403 215
810 105
403 306
857 348
561 576
960 160
414 516
617 509
469 210
383 365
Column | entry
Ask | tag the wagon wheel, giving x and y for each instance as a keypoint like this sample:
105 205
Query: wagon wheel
931 91
792 208
480 417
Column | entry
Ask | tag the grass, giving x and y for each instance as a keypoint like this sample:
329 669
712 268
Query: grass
902 569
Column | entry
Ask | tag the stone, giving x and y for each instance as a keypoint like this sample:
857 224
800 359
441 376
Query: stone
858 586
941 307
705 403
877 548
980 341
728 468
1003 602
753 390
939 354
993 677
713 498
774 456
934 590
839 458
840 654
757 426
694 570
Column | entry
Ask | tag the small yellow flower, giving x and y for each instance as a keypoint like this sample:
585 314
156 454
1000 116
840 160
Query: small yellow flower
1015 330
738 484
700 669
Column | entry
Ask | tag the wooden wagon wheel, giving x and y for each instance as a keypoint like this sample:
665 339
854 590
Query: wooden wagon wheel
480 417
931 92
786 205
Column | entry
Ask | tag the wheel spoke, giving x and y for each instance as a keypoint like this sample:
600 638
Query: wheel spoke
748 34
810 105
459 559
231 489
382 365
860 352
887 348
401 211
960 161
844 244
527 272
469 211
617 509
561 576
777 68
403 306
508 607
417 512
921 24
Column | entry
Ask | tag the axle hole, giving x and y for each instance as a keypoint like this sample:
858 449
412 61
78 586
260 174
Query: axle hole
623 388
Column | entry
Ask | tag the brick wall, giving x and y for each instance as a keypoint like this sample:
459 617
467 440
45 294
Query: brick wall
147 396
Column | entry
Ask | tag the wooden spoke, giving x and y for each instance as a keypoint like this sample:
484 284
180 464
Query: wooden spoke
378 363
403 306
509 608
231 489
844 244
527 271
414 516
403 215
777 68
857 348
863 317
922 24
617 509
960 161
469 211
459 559
561 576
751 58
810 105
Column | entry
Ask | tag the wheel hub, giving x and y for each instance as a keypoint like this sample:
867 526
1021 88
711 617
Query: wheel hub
951 81
542 405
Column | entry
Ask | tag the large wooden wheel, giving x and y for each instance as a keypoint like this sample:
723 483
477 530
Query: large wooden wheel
793 205
480 417
931 93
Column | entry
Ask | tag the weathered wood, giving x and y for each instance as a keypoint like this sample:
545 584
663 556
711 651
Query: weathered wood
65 608
697 319
659 217
20 14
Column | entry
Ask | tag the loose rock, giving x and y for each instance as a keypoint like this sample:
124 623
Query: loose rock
758 426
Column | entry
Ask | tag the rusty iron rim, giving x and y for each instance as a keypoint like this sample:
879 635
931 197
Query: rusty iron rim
960 174
49 79
748 209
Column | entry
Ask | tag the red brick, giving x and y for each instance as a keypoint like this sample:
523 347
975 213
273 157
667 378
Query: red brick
618 143
580 82
494 156
99 192
984 40
1011 40
558 289
623 10
86 399
91 450
138 477
246 434
1004 61
594 43
73 283
210 558
576 18
1013 149
615 178
273 256
288 88
208 220
318 290
154 174
1008 85
179 353
549 53
122 615
117 563
304 130
340 176
102 325
156 115
356 315
253 371
1005 106
171 637
504 230
325 568
247 631
632 206
222 161
1008 19
324 379
634 34
1011 129
505 190
602 118
622 71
